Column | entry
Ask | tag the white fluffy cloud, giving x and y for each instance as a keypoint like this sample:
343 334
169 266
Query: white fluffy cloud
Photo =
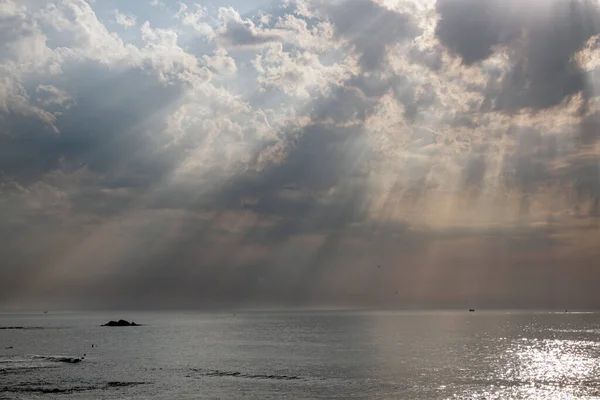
300 73
196 19
220 62
126 20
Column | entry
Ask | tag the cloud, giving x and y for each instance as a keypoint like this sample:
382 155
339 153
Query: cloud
370 28
195 19
220 62
238 32
460 20
542 39
210 158
298 73
48 95
128 21
23 46
318 36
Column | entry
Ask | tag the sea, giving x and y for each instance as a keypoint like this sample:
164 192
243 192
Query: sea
301 355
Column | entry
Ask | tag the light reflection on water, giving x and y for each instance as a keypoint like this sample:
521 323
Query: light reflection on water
533 368
555 361
492 356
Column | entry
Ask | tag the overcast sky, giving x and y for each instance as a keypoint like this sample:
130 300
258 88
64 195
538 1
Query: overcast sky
378 153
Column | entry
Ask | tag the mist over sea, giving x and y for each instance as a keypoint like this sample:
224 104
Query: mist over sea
276 355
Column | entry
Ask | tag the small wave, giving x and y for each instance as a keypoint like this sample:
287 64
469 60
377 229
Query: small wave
26 328
125 384
13 365
17 371
34 362
64 359
46 390
237 374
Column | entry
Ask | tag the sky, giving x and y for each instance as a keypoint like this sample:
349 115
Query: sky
299 153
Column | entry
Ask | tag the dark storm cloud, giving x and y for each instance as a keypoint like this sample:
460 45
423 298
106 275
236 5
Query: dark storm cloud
350 104
358 97
371 29
322 158
542 38
104 130
471 28
405 92
326 154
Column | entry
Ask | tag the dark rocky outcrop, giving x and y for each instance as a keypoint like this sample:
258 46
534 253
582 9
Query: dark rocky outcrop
121 322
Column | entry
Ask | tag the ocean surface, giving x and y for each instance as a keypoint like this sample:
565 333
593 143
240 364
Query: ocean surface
302 355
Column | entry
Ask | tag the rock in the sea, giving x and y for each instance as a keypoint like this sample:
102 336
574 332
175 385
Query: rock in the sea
121 322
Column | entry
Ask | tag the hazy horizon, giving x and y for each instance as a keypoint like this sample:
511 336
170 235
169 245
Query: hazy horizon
300 153
137 314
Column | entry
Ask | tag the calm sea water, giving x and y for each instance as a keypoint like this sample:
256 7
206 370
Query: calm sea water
362 355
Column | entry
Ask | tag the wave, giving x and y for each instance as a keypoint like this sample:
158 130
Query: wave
64 359
48 388
26 328
34 362
44 388
237 374
20 364
125 384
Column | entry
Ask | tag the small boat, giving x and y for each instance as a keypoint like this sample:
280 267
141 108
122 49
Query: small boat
471 310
